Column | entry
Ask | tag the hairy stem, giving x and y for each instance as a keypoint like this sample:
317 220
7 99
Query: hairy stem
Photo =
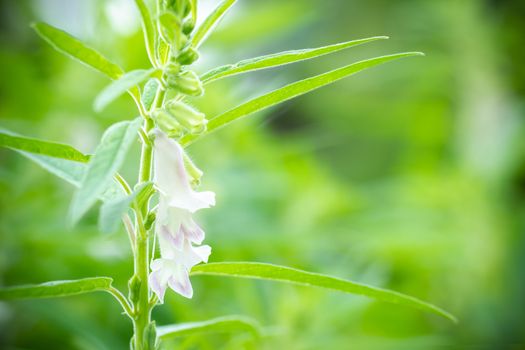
142 306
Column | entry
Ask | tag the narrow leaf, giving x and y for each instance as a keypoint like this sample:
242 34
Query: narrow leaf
52 149
210 22
74 48
108 158
67 170
279 59
120 86
61 160
112 211
216 325
290 275
148 28
56 288
292 90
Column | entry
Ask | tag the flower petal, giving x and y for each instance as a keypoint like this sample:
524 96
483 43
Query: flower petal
191 255
159 277
190 230
180 282
172 179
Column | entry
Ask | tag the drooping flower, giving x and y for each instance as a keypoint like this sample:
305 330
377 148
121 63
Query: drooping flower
175 228
173 269
171 177
176 225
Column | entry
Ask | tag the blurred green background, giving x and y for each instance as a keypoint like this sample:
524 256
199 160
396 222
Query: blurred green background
410 176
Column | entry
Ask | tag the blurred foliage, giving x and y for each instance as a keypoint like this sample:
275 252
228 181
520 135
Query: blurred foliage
409 176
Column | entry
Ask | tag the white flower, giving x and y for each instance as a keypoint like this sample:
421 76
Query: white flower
171 177
173 271
175 225
175 228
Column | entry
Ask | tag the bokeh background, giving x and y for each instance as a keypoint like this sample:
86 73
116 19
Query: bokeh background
409 176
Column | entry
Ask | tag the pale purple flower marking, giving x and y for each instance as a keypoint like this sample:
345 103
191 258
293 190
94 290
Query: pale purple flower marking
175 228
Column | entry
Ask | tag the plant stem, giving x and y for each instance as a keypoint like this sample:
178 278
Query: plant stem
142 306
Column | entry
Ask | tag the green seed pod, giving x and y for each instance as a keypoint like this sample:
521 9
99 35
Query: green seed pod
163 49
168 4
181 7
188 56
172 69
188 25
134 289
150 220
149 92
166 121
191 119
186 82
150 336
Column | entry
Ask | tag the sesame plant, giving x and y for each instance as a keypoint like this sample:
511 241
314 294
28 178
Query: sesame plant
157 210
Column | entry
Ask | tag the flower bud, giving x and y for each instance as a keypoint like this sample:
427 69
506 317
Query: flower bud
188 56
150 220
149 93
134 289
168 123
172 69
188 25
150 336
192 170
191 119
186 82
170 28
180 7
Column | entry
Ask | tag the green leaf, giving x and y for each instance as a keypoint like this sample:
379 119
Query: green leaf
74 48
112 211
216 325
290 275
108 158
279 59
61 160
210 22
56 288
292 90
149 29
120 86
68 170
72 172
52 149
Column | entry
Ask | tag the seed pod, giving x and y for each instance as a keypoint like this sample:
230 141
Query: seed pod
188 25
188 56
166 121
150 336
134 289
172 69
148 95
186 82
181 7
191 119
150 220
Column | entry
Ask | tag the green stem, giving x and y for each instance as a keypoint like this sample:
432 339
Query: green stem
141 306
